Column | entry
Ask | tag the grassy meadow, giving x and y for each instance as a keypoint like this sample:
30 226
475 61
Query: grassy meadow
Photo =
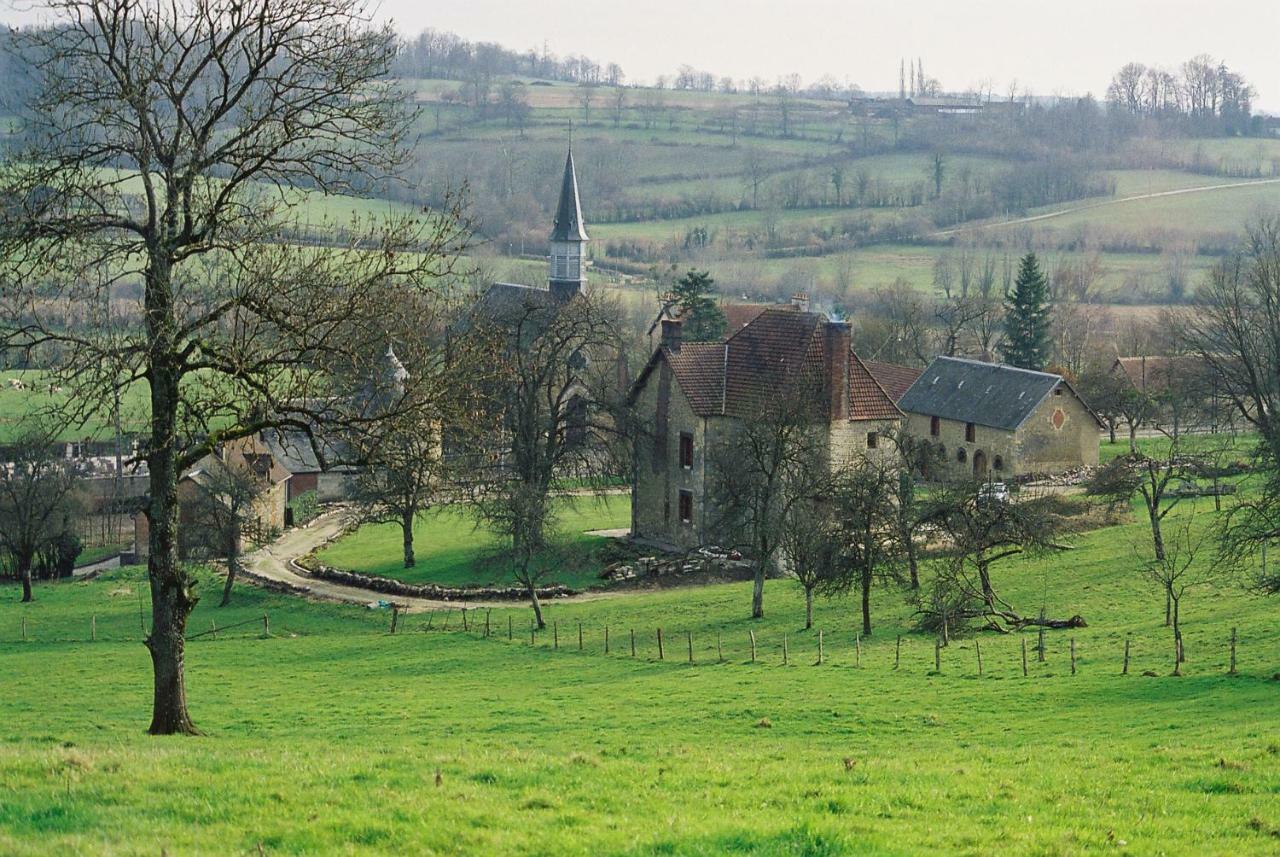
452 549
332 735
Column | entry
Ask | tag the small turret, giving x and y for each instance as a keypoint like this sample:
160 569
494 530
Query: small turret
568 238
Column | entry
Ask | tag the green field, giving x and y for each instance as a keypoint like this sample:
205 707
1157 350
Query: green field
453 551
329 736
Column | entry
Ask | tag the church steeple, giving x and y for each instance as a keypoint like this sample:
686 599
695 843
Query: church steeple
568 236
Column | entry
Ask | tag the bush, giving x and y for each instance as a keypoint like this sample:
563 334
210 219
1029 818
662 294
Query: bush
305 507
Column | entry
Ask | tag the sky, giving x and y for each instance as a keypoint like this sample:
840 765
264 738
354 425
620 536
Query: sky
1063 47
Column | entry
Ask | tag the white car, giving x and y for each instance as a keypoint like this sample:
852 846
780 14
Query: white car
993 492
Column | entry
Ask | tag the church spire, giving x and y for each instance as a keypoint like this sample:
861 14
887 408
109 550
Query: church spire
568 223
568 236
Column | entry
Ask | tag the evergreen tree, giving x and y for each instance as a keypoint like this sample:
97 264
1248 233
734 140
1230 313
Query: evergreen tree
1026 320
695 300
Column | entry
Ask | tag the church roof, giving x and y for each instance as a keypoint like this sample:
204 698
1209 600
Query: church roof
568 224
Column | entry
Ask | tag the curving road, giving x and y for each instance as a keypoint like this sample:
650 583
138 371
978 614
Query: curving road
275 562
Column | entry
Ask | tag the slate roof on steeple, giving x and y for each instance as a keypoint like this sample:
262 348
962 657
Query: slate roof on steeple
568 224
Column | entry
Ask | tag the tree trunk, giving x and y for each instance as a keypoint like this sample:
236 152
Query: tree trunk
24 572
172 599
757 592
808 607
988 591
406 529
913 564
1133 438
537 605
866 602
1111 430
233 561
1179 654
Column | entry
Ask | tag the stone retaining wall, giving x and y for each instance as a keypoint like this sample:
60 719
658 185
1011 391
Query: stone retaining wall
388 586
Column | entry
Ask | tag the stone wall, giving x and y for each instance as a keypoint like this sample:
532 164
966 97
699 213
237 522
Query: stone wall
659 474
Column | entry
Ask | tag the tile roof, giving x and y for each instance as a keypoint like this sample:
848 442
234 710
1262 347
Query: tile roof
895 379
969 391
1156 373
780 348
868 399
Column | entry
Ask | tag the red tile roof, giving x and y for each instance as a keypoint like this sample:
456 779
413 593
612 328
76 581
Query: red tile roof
895 379
1156 374
780 348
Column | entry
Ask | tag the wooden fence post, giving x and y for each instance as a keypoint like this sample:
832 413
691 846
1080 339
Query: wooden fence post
487 611
1232 671
689 636
819 647
897 652
1040 647
1024 657
579 635
633 642
606 639
93 628
465 626
753 646
977 648
857 650
266 625
719 650
1073 655
660 654
784 648
555 635
395 617
1125 670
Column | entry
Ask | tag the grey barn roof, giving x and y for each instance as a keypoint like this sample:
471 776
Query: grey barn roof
969 391
568 224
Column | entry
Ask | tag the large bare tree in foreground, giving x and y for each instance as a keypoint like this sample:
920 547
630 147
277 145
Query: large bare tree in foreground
168 148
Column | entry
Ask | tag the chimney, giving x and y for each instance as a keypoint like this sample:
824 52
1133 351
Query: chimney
800 300
671 333
838 342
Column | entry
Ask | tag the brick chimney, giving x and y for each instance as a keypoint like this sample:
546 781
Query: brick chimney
837 343
800 300
671 333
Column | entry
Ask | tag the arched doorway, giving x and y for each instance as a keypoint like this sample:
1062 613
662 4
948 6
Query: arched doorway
980 464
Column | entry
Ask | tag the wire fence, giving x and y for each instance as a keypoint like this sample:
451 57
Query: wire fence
1212 650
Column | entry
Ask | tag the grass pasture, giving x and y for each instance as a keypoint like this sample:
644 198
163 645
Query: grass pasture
451 550
334 736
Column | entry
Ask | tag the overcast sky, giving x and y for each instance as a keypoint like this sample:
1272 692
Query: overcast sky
1047 46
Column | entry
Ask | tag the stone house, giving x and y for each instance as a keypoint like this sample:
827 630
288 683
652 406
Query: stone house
692 396
994 421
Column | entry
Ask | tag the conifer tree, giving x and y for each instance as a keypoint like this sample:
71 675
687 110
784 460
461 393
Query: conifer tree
695 299
1026 320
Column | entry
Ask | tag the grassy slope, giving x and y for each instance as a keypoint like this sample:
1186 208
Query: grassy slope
328 736
452 551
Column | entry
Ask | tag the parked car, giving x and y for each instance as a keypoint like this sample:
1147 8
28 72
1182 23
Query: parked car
993 492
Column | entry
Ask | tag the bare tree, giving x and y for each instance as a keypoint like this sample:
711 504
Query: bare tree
38 501
224 512
1177 571
544 413
864 499
809 546
761 470
168 145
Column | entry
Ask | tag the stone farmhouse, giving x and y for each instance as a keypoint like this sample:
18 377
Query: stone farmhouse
995 421
692 396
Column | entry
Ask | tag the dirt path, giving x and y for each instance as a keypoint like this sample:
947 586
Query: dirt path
1090 206
276 563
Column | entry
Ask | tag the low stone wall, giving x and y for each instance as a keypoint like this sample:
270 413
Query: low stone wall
387 586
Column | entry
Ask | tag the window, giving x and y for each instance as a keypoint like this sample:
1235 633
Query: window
935 426
997 463
961 455
1057 391
666 510
686 451
873 440
686 507
970 432
575 423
